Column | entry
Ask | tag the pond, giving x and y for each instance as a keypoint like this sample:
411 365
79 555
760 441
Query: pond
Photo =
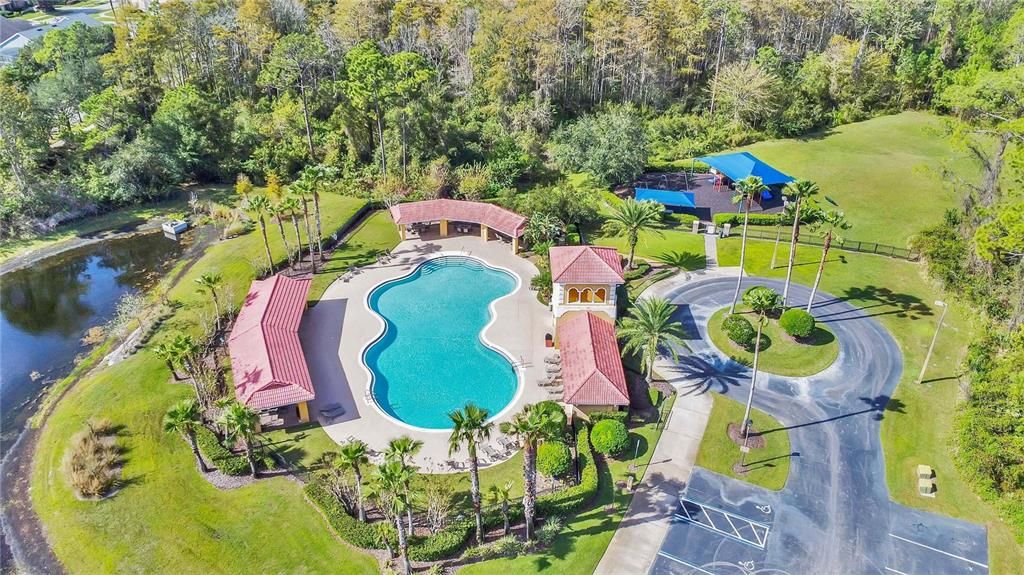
46 309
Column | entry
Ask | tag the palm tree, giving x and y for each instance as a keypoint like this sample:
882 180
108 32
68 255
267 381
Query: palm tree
279 211
832 221
353 455
763 301
260 205
529 427
318 174
470 427
304 191
183 418
745 191
169 355
211 282
242 422
632 217
649 330
801 191
291 205
392 497
502 495
403 450
788 211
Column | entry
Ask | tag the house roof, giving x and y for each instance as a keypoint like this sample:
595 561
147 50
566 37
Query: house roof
11 26
591 364
740 165
490 215
11 44
585 264
266 357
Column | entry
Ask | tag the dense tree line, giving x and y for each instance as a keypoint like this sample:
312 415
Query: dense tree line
457 97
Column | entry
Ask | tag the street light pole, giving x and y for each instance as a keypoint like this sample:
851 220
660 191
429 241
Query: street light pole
931 347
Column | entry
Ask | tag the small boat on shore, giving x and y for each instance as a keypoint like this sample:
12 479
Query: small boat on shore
174 227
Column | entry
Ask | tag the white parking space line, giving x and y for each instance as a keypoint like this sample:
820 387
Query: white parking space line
891 570
948 554
681 562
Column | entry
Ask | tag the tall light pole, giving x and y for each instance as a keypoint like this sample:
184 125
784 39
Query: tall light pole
931 347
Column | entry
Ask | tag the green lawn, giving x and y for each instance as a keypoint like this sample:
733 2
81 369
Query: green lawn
579 548
883 173
779 353
167 518
918 424
375 235
768 466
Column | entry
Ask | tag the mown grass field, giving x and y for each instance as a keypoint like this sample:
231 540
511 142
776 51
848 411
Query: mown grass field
167 518
884 173
768 466
918 424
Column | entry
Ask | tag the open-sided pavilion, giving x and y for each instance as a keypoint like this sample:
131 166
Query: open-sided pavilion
443 211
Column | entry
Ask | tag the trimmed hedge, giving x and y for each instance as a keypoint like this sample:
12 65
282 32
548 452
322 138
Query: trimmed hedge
573 499
219 456
620 416
641 270
347 527
443 544
739 330
797 322
737 219
610 437
553 458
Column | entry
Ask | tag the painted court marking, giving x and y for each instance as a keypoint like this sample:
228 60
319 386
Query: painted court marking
727 524
948 554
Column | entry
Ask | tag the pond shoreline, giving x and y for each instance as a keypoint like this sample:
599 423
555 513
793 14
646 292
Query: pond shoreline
34 256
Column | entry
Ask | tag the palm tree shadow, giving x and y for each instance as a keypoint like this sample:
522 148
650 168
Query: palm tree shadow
876 406
698 374
682 260
883 300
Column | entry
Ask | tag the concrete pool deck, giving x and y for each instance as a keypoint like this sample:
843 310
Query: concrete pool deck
336 330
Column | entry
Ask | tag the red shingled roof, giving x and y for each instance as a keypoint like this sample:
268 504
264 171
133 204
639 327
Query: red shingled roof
494 217
591 364
585 264
266 357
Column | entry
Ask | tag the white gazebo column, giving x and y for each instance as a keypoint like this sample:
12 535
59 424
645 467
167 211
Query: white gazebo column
401 232
483 232
515 244
444 228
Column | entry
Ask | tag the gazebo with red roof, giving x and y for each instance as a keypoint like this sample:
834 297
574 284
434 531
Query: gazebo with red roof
585 278
592 374
267 362
487 216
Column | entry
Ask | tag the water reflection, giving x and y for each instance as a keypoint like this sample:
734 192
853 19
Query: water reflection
46 308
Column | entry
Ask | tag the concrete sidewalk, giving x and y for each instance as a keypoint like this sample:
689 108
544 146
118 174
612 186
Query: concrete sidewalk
635 545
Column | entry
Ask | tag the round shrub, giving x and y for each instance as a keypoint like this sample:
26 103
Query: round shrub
739 330
554 410
797 322
609 437
553 458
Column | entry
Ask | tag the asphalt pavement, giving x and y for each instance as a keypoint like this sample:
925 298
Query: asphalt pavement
834 515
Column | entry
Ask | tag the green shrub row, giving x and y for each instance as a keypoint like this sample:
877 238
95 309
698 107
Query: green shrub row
620 416
573 499
219 456
349 528
737 219
443 544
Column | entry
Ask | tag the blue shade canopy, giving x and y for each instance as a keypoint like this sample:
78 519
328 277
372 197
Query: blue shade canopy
666 197
741 165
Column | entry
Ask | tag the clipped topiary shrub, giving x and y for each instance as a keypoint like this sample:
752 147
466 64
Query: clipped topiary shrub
622 416
570 500
739 330
797 322
609 437
553 458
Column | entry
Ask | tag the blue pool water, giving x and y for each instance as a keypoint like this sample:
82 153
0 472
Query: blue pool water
432 360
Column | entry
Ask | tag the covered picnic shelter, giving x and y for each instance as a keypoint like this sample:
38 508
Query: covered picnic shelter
267 362
443 211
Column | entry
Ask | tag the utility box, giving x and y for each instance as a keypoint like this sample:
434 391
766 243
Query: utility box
726 229
711 229
696 226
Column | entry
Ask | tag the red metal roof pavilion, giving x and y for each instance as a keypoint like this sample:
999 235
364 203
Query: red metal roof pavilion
591 365
494 217
586 264
266 357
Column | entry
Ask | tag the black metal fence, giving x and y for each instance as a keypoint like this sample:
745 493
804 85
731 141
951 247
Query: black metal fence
847 245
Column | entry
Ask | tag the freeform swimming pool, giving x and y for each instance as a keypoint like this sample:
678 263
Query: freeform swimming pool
431 358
